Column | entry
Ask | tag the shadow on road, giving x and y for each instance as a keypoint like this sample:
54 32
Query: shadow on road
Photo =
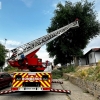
5 88
33 93
26 93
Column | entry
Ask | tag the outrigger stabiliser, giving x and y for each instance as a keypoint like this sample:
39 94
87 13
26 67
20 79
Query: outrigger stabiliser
60 90
51 90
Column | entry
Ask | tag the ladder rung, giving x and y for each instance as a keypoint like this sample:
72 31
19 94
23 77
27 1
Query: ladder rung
45 39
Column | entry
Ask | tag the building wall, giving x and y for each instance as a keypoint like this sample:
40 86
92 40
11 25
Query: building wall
82 61
94 57
97 56
91 58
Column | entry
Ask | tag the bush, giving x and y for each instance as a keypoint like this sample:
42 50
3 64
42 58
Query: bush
57 74
6 69
68 69
11 69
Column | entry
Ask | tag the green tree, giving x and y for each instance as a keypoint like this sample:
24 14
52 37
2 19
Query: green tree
71 43
9 68
3 52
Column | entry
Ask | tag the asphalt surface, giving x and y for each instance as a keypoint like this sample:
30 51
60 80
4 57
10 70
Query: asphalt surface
35 95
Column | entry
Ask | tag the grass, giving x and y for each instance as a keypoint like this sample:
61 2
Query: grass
91 74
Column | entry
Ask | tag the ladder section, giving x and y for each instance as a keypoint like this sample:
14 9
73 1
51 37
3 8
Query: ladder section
36 44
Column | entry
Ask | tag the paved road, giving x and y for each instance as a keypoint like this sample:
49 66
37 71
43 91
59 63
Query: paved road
36 95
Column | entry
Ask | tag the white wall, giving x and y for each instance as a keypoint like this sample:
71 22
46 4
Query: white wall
91 58
97 56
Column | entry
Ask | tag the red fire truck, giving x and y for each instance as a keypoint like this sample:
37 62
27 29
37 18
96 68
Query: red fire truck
23 57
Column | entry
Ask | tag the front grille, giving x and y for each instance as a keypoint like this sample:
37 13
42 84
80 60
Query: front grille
31 84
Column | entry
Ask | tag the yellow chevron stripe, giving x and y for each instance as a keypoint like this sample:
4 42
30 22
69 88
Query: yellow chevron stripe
18 81
42 73
31 77
39 75
13 80
43 84
15 75
21 73
15 84
19 84
47 83
48 75
24 75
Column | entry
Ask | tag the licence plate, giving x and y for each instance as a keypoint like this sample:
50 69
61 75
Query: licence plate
30 88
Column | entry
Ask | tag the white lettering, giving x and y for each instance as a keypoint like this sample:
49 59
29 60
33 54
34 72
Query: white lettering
31 79
37 79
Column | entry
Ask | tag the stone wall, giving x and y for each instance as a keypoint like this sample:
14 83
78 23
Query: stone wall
90 87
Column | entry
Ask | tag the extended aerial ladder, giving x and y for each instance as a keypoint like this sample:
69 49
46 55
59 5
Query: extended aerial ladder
23 57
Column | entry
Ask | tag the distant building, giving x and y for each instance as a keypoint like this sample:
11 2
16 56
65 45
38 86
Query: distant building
92 57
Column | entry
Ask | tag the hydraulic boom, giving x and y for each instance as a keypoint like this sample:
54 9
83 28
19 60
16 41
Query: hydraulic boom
23 56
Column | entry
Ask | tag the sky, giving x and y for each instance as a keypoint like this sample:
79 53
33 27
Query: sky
22 21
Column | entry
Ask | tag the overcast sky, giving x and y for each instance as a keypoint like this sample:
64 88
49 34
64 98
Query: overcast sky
22 21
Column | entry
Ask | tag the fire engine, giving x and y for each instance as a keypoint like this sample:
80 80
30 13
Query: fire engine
35 77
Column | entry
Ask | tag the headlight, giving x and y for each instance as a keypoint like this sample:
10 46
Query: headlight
45 77
18 78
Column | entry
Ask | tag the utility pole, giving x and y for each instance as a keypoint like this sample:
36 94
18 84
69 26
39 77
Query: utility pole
5 42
